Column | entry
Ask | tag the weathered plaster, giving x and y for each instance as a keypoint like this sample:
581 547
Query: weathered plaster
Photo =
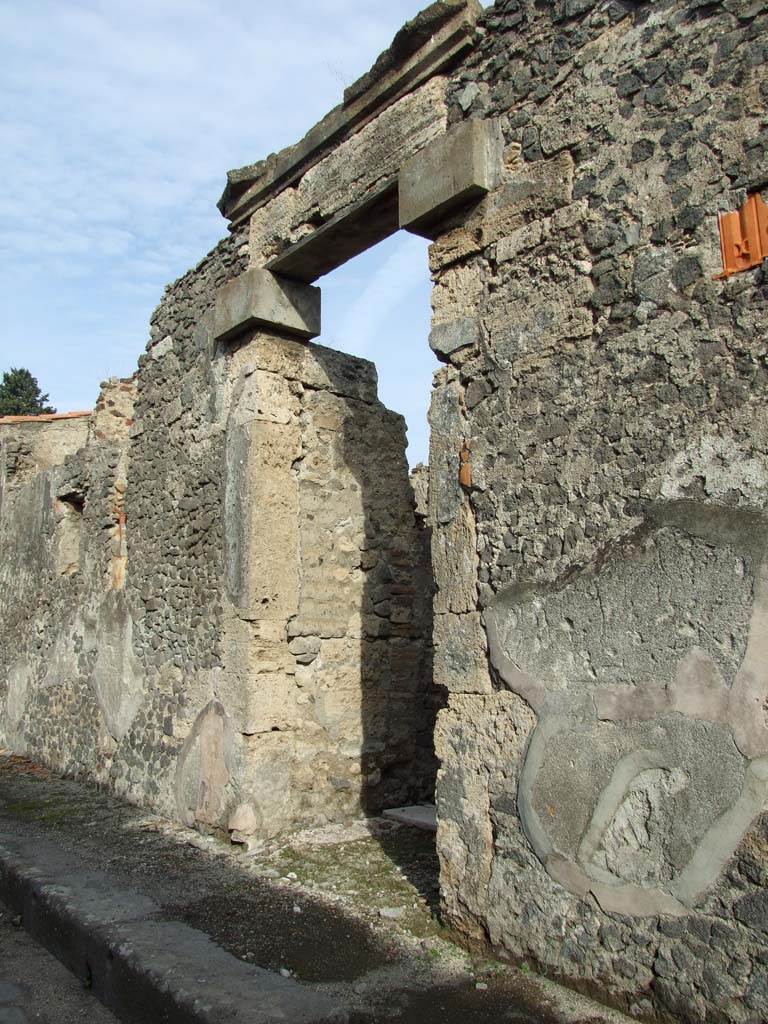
537 639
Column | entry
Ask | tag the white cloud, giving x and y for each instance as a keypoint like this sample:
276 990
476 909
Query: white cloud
381 292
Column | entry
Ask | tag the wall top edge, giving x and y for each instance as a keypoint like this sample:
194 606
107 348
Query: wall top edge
43 417
415 35
424 46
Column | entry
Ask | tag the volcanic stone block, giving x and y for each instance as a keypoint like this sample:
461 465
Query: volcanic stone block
260 298
460 166
445 339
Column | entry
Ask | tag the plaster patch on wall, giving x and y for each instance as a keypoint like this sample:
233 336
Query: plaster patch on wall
639 792
118 678
204 769
20 677
632 847
69 524
61 664
160 348
720 469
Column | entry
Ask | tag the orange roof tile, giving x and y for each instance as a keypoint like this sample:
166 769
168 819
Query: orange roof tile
44 417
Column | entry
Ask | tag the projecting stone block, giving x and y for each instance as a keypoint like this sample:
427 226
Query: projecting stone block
445 339
260 298
455 168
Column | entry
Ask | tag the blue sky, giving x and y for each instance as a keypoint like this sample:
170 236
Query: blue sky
118 122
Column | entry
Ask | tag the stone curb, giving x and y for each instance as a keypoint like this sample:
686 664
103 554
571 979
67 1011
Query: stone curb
142 967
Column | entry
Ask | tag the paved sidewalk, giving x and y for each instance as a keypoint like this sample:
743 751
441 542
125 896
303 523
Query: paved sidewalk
336 925
36 989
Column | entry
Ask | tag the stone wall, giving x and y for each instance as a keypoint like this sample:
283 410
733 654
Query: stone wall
601 604
245 629
32 444
214 598
62 558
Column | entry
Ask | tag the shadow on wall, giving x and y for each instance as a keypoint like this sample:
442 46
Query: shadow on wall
399 702
325 705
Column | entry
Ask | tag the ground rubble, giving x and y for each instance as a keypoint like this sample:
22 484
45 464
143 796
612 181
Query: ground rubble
344 917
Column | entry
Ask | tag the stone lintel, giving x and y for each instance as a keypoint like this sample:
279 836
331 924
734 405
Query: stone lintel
261 298
423 816
344 236
452 170
445 339
397 72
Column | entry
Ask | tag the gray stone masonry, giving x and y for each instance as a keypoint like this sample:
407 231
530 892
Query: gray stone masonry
601 584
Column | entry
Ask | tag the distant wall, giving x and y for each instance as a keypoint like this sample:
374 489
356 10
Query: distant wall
31 444
62 557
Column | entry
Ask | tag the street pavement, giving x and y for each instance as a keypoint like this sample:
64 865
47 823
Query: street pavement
167 922
36 989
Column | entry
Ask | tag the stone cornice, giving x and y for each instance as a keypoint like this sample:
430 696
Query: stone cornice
425 46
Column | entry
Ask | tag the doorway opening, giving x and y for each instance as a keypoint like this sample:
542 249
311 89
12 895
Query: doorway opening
376 306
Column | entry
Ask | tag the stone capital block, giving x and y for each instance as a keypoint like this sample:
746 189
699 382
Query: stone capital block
455 168
259 298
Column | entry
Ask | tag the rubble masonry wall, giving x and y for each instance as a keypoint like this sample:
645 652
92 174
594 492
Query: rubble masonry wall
601 616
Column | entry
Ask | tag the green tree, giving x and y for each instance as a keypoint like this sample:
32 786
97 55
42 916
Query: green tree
20 395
